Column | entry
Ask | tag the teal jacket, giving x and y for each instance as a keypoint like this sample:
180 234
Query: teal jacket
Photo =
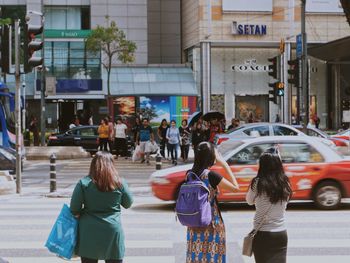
100 234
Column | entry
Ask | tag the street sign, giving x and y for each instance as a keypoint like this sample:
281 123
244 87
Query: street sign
299 46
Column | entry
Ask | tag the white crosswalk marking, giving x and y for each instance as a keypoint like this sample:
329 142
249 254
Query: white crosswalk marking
153 235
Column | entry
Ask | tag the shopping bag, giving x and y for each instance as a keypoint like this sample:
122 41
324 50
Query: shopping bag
136 156
153 147
63 236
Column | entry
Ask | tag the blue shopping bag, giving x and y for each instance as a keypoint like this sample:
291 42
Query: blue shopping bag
63 236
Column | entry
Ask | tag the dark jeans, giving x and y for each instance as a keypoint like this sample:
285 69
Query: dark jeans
121 147
270 247
110 145
89 260
184 151
173 150
162 148
103 144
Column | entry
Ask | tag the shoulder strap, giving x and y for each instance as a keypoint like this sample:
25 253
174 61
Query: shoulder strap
263 220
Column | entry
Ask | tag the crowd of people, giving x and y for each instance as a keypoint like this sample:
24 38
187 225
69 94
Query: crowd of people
170 136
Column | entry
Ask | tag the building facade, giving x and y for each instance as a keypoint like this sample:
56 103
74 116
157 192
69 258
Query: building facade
228 44
156 74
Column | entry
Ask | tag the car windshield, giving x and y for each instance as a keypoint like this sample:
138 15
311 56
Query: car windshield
345 133
235 129
227 146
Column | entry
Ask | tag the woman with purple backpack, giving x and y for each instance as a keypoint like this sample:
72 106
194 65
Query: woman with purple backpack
208 244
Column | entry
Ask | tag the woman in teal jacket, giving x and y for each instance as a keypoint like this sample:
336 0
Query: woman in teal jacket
97 201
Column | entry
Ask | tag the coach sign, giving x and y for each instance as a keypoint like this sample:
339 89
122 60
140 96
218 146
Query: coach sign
250 65
248 29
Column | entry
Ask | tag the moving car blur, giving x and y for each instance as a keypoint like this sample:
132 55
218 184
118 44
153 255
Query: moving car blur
316 171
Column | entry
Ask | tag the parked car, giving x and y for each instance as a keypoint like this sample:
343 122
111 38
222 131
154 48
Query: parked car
84 136
7 159
316 171
345 135
261 129
312 131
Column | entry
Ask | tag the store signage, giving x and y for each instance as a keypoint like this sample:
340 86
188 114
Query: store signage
242 5
250 65
56 33
248 29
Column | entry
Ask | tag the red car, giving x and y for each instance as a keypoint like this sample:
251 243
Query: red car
345 135
316 171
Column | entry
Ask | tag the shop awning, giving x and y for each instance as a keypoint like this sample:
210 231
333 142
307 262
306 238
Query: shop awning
334 51
162 80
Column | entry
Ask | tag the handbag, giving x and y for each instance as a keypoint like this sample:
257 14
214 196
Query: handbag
63 237
247 248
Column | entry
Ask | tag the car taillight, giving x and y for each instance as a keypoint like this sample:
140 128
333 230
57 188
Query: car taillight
220 140
52 137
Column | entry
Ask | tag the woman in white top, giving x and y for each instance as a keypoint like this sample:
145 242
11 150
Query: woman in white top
120 142
270 191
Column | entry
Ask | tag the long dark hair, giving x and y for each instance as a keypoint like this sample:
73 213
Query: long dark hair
271 179
204 157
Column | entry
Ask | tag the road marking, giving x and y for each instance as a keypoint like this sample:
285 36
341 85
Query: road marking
132 259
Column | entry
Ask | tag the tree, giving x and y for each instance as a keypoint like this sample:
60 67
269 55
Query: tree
112 42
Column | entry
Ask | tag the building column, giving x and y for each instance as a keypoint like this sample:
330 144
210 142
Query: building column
205 65
337 101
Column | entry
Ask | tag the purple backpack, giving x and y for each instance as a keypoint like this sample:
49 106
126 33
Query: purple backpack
193 207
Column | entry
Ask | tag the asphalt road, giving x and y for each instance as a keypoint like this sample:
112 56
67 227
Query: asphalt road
152 233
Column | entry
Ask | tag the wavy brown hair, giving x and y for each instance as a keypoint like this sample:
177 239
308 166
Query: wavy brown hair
103 172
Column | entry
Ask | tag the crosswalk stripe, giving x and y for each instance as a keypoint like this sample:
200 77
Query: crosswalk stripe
132 259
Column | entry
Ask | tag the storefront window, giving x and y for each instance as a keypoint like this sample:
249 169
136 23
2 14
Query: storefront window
64 17
70 60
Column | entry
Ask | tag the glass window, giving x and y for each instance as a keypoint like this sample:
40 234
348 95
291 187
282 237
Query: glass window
314 133
299 153
283 131
67 60
63 17
87 132
258 131
249 155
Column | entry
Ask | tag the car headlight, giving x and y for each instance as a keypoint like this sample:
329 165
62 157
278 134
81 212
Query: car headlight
160 180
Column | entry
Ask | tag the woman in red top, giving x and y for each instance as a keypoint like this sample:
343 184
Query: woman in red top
215 128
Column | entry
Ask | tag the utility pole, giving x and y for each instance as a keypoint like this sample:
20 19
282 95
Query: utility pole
43 83
18 110
304 66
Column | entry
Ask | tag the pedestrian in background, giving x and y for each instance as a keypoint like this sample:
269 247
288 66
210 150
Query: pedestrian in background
173 137
97 200
270 192
111 134
198 136
144 138
162 129
120 142
33 128
215 128
103 135
185 142
136 128
208 244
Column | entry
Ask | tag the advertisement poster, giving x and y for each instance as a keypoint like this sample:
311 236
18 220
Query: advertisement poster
170 108
125 107
155 108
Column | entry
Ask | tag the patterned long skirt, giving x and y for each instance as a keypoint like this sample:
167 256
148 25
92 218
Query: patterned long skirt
207 244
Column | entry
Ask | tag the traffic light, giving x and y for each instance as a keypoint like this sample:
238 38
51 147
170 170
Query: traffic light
294 72
31 45
274 67
273 92
280 89
5 49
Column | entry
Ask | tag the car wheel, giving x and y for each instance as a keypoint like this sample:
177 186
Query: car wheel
327 195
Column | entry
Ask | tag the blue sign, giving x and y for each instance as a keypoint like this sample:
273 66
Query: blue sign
248 29
75 85
299 46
